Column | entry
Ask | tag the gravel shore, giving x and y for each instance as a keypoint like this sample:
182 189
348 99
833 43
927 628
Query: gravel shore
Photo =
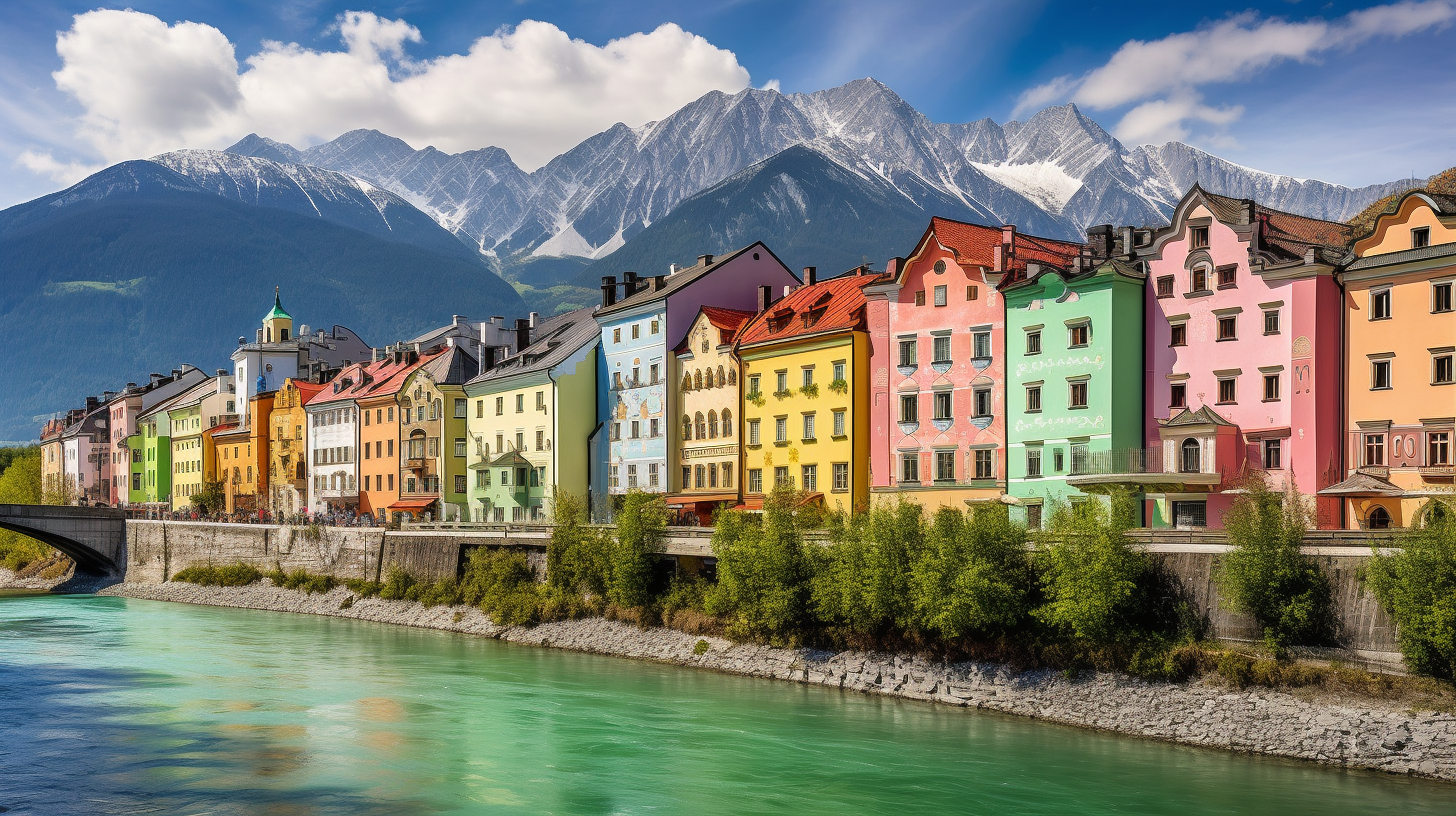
1250 720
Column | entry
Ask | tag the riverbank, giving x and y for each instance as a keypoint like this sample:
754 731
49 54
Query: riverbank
1364 734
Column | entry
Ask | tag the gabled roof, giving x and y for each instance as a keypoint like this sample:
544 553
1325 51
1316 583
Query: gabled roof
307 389
380 378
556 340
727 321
975 244
1362 484
511 459
1285 236
678 280
1072 278
453 367
1203 416
841 310
194 394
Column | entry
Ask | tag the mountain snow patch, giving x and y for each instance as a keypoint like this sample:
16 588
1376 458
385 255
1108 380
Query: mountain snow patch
1043 182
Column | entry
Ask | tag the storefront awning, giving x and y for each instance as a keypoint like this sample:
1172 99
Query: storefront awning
418 503
685 499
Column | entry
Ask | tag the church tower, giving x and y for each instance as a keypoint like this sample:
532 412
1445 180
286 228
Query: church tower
278 324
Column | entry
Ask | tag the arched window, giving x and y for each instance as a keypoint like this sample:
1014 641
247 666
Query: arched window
1189 460
697 379
727 424
708 379
687 382
1379 519
687 427
732 376
721 381
712 424
701 425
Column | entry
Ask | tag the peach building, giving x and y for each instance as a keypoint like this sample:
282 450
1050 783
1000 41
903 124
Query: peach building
1400 333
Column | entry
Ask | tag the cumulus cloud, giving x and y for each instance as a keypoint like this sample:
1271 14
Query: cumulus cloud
1161 78
147 87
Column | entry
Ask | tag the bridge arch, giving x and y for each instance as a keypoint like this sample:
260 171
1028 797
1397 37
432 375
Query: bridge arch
93 537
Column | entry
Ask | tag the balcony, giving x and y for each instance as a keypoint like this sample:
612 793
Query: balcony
1139 468
1438 471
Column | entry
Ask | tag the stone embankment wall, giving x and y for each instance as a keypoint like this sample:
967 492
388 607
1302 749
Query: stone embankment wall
156 550
1365 734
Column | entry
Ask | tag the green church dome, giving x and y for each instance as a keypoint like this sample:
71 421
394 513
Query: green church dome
277 308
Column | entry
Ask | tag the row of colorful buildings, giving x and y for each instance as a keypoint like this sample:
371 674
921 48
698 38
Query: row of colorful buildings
984 366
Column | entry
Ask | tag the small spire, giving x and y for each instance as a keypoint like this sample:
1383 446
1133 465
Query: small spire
277 307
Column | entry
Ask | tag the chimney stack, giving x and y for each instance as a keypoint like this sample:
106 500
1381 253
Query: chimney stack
1100 239
487 359
765 298
1008 243
523 334
534 317
811 276
892 266
704 260
658 281
609 290
92 404
629 284
1127 244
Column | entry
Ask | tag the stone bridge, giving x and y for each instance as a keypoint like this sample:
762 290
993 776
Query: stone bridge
93 537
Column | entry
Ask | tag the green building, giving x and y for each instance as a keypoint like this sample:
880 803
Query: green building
1074 379
155 442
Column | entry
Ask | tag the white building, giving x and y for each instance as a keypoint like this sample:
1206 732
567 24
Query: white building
333 440
279 354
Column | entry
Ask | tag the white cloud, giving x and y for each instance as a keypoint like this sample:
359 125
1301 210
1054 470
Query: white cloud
147 87
45 164
1162 77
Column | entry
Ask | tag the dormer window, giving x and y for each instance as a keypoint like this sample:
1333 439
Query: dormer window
1198 237
1420 237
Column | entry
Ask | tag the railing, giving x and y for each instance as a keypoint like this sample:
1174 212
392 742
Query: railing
1130 460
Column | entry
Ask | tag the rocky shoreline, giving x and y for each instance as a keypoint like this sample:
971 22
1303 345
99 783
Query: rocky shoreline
1264 721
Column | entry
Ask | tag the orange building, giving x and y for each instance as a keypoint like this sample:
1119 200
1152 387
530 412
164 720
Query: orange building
241 457
1400 335
380 457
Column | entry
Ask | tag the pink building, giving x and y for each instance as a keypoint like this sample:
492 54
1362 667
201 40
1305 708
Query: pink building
937 330
1243 331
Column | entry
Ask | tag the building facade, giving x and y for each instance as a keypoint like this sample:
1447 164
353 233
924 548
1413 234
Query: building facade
288 449
806 362
332 444
279 353
190 419
432 409
705 370
1399 348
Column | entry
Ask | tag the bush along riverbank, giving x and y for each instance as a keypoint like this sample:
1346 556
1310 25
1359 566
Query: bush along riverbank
1073 605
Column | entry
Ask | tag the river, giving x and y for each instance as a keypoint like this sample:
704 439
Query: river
118 706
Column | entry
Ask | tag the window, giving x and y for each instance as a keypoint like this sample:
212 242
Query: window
687 426
755 480
1271 321
1033 399
782 380
1379 374
808 427
839 371
460 484
1079 335
712 475
1420 237
1272 454
1441 373
652 329
1079 458
920 297
1227 391
460 408
753 438
1438 448
636 331
940 297
972 292
636 429
781 476
945 466
540 440
1188 514
841 476
459 447
727 474
1441 296
909 467
940 349
500 406
687 475
631 476
981 402
1033 342
1033 463
839 423
1227 276
1375 449
1228 328
753 385
781 429
941 402
1077 396
985 460
809 474
1271 387
1165 286
540 400
808 376
909 408
698 477
1190 456
1380 304
1178 334
1178 395
981 344
1198 237
907 354
653 373
616 335
1033 516
1199 282
654 428
616 433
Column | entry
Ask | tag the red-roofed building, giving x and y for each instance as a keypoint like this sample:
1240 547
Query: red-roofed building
706 376
938 333
806 368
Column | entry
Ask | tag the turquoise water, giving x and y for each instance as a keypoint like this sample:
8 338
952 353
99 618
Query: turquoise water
115 706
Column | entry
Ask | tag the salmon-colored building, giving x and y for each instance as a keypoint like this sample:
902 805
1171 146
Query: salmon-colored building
1400 340
938 334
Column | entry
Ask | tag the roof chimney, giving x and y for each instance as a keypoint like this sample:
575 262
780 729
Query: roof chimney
629 284
765 298
704 260
658 281
1128 248
811 276
92 404
523 334
487 359
534 317
672 269
609 290
892 266
457 320
1008 243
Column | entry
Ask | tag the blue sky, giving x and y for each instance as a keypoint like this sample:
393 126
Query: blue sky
1352 93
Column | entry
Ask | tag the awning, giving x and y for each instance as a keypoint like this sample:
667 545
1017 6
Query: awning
421 503
1362 485
697 498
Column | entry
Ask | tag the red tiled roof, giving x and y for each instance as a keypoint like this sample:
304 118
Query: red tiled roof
841 311
368 380
307 389
728 321
1284 233
976 244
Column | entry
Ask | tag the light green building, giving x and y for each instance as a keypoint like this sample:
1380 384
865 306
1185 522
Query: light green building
530 420
1074 380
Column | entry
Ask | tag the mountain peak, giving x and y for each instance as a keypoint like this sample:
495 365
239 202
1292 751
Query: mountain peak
264 148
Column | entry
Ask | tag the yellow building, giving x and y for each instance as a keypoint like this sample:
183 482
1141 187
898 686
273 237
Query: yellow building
190 418
706 376
287 459
806 363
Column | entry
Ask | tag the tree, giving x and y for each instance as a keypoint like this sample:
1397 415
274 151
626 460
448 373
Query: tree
20 484
640 527
763 571
578 557
57 488
976 577
1090 573
210 499
1417 585
863 580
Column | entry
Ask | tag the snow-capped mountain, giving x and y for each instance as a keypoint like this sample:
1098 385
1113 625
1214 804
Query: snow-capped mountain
1055 174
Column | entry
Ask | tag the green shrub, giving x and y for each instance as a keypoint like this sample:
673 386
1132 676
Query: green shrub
975 577
363 588
444 592
640 527
1093 579
1265 575
578 556
502 584
1417 585
862 581
211 575
20 484
701 647
398 585
763 572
